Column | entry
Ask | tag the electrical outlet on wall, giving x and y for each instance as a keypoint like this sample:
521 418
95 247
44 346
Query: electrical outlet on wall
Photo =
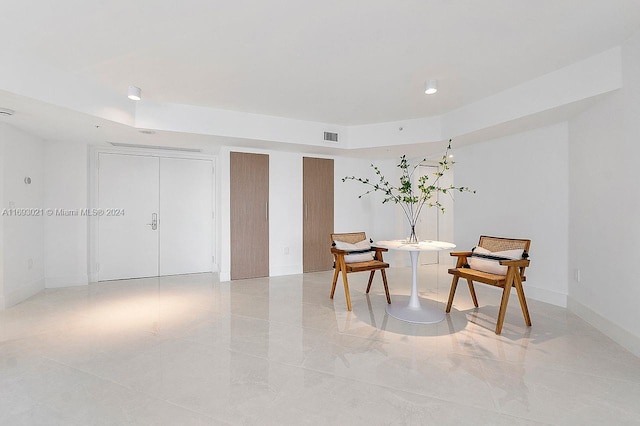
286 250
576 274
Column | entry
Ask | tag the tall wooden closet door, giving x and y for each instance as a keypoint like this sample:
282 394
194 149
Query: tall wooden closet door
318 213
249 175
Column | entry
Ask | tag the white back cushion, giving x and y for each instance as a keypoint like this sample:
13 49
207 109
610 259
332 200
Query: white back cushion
360 246
490 265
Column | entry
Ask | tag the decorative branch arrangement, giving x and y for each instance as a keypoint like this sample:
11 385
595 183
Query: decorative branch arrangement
409 200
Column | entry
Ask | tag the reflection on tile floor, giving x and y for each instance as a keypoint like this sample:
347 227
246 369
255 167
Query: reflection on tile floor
189 350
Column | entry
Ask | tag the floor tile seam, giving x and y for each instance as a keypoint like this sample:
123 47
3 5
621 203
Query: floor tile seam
377 339
597 376
129 388
51 310
245 353
554 366
525 419
295 325
489 358
303 366
31 336
531 415
269 321
491 390
230 314
17 340
221 347
455 401
278 322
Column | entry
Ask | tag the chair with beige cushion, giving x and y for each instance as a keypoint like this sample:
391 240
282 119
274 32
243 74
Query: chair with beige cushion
498 262
348 258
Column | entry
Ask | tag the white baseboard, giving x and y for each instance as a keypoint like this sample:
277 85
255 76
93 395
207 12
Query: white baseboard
623 337
276 271
68 281
544 295
23 293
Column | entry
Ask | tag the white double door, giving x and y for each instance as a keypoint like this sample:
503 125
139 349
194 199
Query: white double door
157 216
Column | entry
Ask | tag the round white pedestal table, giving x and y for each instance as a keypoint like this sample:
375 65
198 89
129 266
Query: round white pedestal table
414 312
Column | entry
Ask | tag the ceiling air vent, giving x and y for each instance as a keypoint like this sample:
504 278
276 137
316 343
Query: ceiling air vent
331 137
166 148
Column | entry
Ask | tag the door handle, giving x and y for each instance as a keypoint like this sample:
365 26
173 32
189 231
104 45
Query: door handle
154 221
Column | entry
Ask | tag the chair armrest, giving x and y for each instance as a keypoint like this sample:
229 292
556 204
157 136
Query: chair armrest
378 254
515 262
338 251
462 258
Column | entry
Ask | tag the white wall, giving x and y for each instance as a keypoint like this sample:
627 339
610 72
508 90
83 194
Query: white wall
604 147
65 239
522 192
285 213
23 236
353 214
368 214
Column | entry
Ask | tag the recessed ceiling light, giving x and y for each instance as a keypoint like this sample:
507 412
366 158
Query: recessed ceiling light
431 87
147 132
134 93
6 111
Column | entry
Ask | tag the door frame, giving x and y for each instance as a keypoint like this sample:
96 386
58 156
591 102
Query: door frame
93 234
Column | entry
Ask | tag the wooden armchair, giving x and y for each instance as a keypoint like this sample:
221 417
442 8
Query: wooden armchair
371 265
514 275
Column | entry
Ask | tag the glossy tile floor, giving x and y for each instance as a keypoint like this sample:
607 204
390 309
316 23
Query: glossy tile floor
189 350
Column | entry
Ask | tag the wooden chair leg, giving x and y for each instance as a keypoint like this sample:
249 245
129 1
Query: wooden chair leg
335 280
523 301
472 290
452 292
346 290
504 303
370 280
386 286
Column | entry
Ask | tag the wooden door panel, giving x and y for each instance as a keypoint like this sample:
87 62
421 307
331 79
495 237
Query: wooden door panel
249 186
318 177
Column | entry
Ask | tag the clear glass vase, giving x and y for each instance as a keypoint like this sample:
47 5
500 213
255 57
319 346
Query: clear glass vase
413 238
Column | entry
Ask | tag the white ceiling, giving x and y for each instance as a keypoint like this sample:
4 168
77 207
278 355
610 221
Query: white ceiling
335 61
